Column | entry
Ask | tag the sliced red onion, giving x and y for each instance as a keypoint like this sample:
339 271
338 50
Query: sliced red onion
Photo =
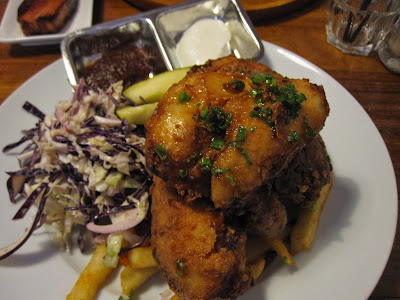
123 221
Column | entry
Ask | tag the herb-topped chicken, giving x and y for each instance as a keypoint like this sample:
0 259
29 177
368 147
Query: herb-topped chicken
230 126
235 147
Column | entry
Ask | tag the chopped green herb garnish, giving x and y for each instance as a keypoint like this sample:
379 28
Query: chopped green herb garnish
310 132
216 119
291 100
183 97
231 178
241 135
268 79
132 293
183 173
272 84
193 156
284 259
237 84
217 143
162 152
294 137
259 101
206 163
256 93
244 153
252 129
263 112
219 171
254 113
259 77
180 267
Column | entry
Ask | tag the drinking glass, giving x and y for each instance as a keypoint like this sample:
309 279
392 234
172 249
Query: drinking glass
389 49
357 26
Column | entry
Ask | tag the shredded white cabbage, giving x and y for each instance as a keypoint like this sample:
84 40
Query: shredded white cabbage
92 160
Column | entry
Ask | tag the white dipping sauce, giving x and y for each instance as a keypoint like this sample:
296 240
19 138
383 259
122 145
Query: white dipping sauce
205 39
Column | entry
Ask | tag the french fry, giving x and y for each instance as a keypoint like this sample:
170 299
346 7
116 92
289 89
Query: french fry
92 277
141 257
279 246
303 233
132 279
257 267
175 297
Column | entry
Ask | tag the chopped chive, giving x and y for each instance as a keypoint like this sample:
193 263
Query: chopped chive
293 137
231 178
256 93
310 132
180 267
238 84
244 153
216 119
219 171
217 143
241 135
162 152
183 173
206 163
183 97
259 77
259 101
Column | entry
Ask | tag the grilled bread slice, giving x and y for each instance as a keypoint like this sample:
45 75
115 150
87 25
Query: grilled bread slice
45 16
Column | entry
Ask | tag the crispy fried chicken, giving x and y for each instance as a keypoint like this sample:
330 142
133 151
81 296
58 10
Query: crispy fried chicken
235 146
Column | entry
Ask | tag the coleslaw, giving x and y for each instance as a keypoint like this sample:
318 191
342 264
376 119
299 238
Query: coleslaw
86 169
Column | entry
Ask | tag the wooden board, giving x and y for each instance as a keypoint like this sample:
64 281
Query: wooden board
256 9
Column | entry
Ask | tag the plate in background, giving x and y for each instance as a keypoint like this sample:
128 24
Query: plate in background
11 33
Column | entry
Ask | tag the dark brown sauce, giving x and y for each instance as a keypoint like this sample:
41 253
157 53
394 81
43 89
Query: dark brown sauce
116 56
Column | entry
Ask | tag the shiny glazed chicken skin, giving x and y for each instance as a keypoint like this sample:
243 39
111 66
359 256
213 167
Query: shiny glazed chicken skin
230 126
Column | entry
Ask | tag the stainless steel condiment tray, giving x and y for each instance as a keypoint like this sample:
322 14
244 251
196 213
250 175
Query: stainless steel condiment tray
159 30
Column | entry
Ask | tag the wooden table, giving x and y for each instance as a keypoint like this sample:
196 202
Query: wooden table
302 32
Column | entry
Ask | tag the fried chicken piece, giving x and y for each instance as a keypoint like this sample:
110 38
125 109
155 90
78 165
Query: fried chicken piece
309 170
44 16
198 252
225 134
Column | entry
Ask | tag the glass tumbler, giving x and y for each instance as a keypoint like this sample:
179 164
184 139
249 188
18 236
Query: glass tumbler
357 26
389 49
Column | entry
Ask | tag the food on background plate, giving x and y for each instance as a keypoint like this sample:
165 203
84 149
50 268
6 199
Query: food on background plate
236 148
45 16
85 164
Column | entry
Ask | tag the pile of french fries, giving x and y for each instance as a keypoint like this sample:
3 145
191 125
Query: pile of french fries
139 264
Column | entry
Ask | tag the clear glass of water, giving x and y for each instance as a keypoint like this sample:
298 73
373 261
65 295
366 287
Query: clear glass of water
358 26
389 49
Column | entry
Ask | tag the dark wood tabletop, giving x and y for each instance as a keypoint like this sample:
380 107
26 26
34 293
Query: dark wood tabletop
299 29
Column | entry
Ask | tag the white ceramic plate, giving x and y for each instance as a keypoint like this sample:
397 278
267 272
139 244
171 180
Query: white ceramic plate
11 33
353 241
